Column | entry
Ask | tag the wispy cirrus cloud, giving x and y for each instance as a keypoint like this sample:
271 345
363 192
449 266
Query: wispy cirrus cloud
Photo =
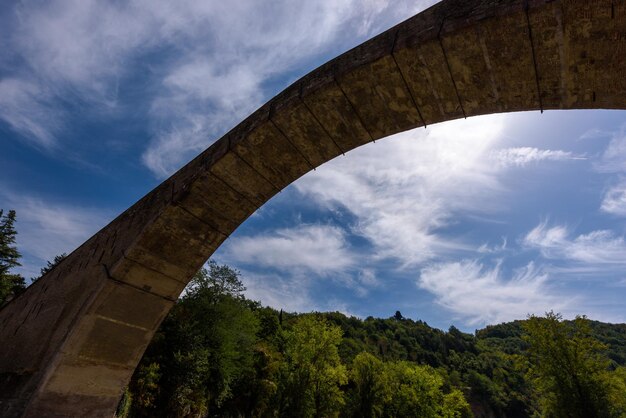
493 249
401 201
317 249
480 294
204 65
522 156
291 259
401 204
292 294
231 79
614 201
25 107
288 293
612 161
597 249
427 177
613 158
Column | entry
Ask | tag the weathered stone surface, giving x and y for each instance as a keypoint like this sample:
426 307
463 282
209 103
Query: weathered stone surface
547 30
381 98
147 279
594 45
178 238
271 154
298 124
468 69
134 307
111 342
427 73
87 378
508 55
242 178
69 344
217 204
59 405
335 113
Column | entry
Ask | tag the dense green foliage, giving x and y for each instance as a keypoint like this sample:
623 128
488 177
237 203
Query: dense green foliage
219 354
202 351
10 284
569 370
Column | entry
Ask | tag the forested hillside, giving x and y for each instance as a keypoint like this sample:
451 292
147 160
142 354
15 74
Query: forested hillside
219 354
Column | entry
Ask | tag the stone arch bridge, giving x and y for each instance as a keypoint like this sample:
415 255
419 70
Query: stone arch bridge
70 343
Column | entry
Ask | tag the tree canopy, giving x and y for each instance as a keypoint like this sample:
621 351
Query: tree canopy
219 354
570 371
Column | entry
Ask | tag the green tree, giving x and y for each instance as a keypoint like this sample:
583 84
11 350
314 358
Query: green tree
50 265
455 405
10 284
123 408
312 371
254 394
617 392
368 387
416 391
215 283
226 323
568 369
203 348
145 386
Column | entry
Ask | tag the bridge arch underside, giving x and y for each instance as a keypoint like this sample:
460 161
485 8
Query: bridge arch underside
71 342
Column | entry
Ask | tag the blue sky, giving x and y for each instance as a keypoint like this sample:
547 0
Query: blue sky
469 222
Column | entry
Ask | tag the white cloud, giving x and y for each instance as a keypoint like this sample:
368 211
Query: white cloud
25 107
296 256
170 147
290 294
599 248
81 42
404 189
544 237
492 249
256 44
208 64
523 156
480 295
614 200
595 133
362 281
318 249
613 159
367 277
